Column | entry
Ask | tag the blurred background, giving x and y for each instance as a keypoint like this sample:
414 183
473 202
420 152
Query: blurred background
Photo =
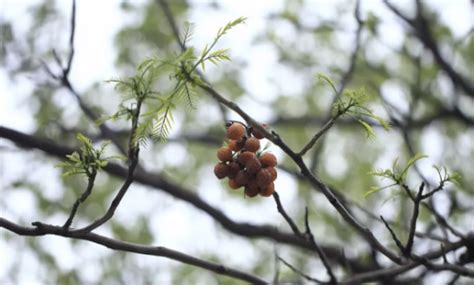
275 56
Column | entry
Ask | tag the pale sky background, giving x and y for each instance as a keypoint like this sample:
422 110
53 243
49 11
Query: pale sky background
97 24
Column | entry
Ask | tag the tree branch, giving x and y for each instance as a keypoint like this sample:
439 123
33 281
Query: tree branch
90 185
299 272
288 219
422 31
67 69
159 182
321 253
399 269
43 229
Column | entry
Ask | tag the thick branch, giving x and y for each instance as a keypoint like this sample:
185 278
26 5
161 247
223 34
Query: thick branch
131 247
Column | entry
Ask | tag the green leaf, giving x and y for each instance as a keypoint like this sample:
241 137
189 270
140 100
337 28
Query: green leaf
368 129
410 163
230 25
219 55
385 124
385 173
372 190
162 125
187 55
187 32
455 178
85 140
325 78
187 93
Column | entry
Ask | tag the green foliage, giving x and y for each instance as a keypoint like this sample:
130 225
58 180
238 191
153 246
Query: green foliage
325 78
157 122
149 34
353 106
445 176
88 160
398 175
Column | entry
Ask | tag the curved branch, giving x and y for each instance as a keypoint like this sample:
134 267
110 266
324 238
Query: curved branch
396 270
158 182
131 247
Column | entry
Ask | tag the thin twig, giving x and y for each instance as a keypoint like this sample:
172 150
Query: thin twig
394 236
347 76
299 272
414 219
288 219
133 150
438 217
67 69
80 200
380 274
276 265
422 31
63 79
320 252
316 136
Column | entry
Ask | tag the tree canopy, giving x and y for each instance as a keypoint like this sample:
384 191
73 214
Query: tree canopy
111 122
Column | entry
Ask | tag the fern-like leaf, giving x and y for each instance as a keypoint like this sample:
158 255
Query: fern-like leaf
188 93
162 125
187 32
230 25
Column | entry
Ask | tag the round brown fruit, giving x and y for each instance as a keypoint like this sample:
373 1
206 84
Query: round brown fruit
224 154
268 191
242 177
268 159
273 172
235 131
264 178
258 134
234 168
233 184
245 156
253 166
252 144
251 189
221 170
234 145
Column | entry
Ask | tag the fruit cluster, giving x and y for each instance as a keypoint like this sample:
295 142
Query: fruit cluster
244 164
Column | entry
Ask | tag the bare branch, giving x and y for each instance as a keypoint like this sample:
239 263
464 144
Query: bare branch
42 229
399 269
394 237
67 69
288 219
414 218
321 253
90 185
422 31
299 272
347 76
316 136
